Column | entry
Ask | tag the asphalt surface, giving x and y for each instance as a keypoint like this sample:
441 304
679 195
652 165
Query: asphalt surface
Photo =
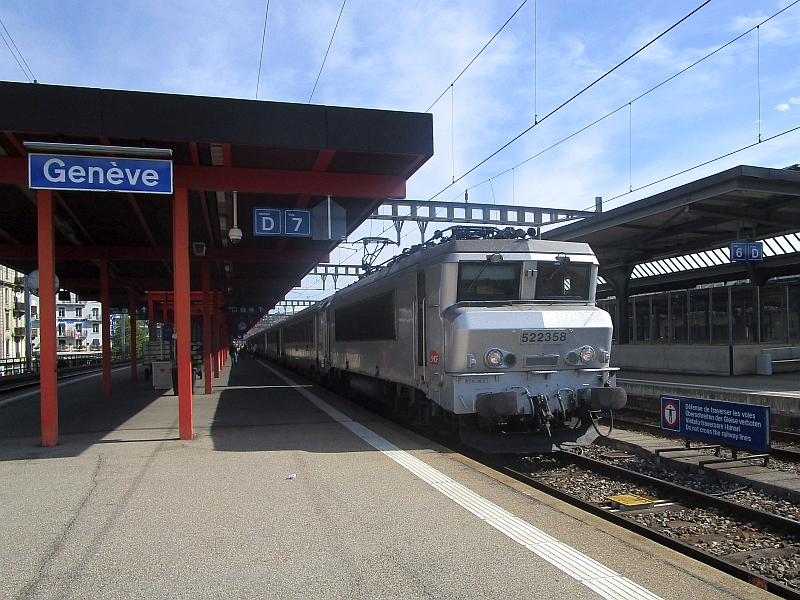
123 509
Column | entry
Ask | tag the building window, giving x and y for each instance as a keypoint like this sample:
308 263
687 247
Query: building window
62 312
95 313
95 327
62 330
8 320
78 328
78 311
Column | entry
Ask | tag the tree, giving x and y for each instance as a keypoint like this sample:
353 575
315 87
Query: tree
142 335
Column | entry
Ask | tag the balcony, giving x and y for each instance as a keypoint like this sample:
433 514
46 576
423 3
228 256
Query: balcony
19 309
19 333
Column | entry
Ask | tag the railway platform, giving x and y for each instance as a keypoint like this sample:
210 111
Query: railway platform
780 391
290 491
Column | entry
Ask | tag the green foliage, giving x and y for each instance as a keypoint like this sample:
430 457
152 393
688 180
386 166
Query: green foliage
142 335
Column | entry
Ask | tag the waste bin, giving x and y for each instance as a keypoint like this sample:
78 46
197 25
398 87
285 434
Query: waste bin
763 364
175 379
161 375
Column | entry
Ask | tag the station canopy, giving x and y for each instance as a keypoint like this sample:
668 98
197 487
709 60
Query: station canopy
273 154
680 237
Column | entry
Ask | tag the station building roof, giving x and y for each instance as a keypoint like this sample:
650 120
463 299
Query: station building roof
679 237
274 154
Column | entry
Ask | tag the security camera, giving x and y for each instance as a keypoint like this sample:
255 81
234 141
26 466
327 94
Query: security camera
199 248
235 235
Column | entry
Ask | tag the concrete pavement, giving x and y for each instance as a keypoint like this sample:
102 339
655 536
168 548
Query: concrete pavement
122 508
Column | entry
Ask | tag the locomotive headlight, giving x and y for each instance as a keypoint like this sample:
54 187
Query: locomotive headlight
583 355
587 355
493 358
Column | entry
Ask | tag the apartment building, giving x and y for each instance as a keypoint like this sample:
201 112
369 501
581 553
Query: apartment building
78 324
12 314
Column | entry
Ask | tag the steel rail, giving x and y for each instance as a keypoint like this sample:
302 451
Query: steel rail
651 534
782 453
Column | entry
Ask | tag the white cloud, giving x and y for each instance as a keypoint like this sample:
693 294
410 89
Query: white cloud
783 106
794 100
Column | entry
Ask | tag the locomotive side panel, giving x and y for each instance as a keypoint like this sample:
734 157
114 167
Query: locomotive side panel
372 330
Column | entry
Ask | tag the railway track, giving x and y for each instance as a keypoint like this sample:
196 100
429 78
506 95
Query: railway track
29 382
754 545
786 444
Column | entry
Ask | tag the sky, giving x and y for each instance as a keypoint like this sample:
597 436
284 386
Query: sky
403 55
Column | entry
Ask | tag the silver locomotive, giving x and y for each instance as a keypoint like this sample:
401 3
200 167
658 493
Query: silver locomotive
488 332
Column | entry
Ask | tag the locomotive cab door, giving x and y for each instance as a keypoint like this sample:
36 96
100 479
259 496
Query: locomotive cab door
421 327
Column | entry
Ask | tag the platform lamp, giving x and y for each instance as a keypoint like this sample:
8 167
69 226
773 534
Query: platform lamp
235 234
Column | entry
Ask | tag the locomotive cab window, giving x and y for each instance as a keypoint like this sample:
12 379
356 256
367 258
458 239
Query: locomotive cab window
563 280
488 281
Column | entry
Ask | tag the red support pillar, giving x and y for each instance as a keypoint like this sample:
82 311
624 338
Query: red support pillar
207 351
215 334
183 309
134 344
105 302
47 320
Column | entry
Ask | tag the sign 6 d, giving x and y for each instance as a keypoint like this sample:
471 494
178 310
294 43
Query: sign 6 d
747 251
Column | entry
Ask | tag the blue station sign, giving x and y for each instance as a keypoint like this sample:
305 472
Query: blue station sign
747 251
99 174
282 221
733 424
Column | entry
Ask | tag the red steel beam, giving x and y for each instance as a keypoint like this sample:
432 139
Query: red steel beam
106 320
48 386
132 311
274 181
215 331
147 253
183 318
165 283
207 355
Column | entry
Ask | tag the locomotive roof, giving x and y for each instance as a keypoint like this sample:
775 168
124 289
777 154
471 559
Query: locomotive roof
429 254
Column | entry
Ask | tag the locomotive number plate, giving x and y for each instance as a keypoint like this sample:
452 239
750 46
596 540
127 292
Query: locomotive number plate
538 336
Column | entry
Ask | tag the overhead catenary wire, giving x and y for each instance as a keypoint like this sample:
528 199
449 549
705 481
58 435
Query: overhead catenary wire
573 97
637 98
703 164
327 51
474 58
627 105
25 69
261 56
758 76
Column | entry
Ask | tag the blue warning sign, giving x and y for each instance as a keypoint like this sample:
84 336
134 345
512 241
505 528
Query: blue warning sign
733 424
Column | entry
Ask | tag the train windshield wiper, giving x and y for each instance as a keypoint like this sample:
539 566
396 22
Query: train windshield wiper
494 258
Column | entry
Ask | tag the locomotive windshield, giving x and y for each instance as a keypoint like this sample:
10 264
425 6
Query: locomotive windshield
563 281
488 281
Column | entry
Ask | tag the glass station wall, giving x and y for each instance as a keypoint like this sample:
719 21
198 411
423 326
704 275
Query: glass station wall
726 315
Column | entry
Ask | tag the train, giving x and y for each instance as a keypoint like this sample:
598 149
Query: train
491 334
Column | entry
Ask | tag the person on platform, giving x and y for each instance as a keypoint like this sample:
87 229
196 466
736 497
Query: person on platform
234 352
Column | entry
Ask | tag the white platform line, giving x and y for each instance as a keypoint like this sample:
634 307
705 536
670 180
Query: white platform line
65 382
594 575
